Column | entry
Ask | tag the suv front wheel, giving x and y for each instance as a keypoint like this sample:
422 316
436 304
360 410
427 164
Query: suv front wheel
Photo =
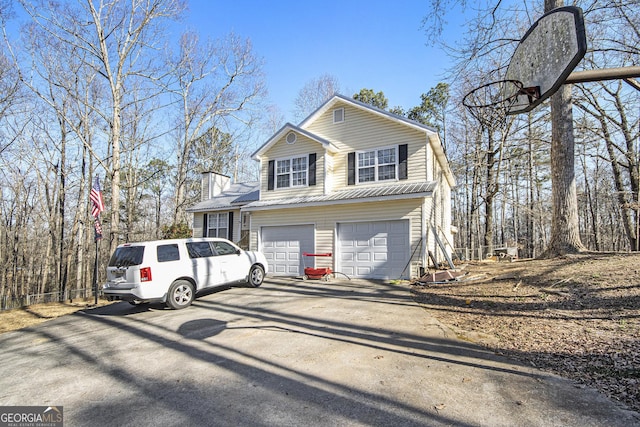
180 294
256 276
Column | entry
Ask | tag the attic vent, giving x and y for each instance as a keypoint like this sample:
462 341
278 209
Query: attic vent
291 138
338 115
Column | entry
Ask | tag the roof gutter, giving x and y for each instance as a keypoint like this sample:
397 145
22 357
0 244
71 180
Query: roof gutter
285 205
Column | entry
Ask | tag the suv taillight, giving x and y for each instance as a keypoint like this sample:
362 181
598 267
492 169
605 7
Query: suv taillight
145 274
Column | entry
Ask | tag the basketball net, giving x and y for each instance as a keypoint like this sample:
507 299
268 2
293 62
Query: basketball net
491 102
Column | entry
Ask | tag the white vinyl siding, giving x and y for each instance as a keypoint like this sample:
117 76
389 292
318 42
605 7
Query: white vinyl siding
199 226
327 218
366 131
281 150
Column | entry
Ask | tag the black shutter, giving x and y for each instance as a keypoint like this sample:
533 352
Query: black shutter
230 225
351 168
205 225
272 171
403 172
312 169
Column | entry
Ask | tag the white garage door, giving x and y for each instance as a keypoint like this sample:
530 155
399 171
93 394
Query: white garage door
283 247
375 249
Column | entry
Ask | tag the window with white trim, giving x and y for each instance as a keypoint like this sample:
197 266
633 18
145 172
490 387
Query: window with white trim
377 165
338 115
218 225
292 172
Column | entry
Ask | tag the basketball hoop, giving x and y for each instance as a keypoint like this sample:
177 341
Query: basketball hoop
491 102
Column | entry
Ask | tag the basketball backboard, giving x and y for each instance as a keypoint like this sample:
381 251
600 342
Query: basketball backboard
545 57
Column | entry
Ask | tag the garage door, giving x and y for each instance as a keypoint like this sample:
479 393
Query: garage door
375 249
283 247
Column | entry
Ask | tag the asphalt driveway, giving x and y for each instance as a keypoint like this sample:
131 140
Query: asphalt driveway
289 353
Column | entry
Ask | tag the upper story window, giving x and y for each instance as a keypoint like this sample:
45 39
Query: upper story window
377 165
292 172
338 115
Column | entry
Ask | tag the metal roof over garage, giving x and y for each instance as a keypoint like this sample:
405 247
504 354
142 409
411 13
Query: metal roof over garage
377 193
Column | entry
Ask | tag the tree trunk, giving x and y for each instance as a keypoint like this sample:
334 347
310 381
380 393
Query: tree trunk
565 233
531 238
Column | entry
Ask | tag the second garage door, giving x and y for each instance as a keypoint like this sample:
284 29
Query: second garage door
374 249
283 247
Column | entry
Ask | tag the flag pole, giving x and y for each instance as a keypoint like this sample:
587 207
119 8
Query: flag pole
97 206
95 275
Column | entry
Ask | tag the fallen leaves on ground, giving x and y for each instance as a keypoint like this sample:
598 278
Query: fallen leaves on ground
577 316
18 318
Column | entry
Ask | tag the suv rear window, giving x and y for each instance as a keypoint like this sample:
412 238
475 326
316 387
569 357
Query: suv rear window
127 256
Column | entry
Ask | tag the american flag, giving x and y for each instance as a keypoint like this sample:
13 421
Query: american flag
97 202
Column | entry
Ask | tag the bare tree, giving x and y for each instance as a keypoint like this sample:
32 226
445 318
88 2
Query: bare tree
116 39
214 84
314 93
611 106
274 120
618 134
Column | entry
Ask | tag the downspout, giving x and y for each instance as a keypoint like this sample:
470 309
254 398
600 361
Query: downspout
324 171
424 230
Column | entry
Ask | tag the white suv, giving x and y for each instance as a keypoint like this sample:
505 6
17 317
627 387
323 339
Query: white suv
174 271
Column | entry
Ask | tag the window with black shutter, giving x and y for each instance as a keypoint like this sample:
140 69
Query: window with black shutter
403 170
312 169
272 174
218 225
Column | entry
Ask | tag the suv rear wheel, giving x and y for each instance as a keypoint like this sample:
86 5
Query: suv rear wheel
256 276
180 294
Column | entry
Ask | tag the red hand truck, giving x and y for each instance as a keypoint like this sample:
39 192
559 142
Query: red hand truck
323 273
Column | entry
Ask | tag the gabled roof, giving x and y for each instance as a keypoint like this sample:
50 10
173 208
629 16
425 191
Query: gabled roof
352 195
234 197
366 107
432 135
288 127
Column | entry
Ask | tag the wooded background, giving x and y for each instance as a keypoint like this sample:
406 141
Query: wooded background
91 88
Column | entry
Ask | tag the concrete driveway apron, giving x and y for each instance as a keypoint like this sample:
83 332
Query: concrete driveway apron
289 353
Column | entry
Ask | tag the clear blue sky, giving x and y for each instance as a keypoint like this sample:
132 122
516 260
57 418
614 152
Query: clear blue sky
363 43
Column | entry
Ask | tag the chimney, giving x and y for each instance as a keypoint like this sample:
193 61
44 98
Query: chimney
213 184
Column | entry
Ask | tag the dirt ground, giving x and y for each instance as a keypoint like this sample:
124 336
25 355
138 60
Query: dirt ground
577 316
19 318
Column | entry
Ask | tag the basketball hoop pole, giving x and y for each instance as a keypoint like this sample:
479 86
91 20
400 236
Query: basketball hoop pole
625 73
605 74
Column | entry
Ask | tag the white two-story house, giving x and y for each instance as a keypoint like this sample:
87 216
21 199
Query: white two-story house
371 188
